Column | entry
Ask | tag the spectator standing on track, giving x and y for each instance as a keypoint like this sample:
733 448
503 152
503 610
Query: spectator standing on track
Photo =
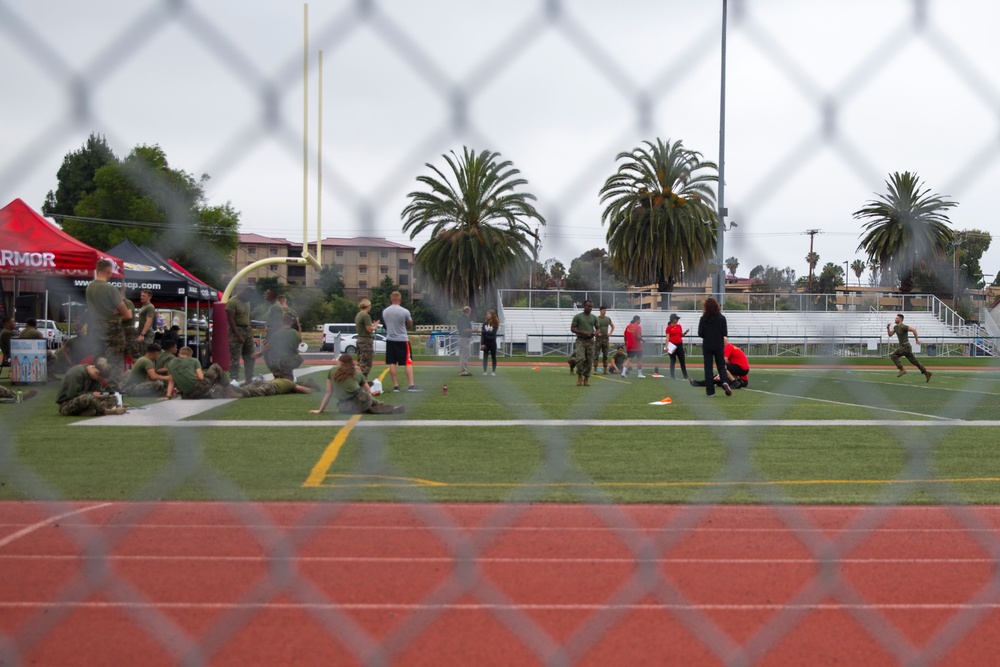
240 334
584 325
605 327
365 341
348 384
675 345
713 330
902 332
82 392
488 339
143 380
187 376
397 320
464 341
146 315
282 349
633 346
108 315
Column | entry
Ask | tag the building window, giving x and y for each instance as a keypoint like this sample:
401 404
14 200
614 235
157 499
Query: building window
274 251
362 284
362 269
404 264
383 254
340 269
404 279
362 253
251 280
273 267
384 269
340 253
315 282
251 250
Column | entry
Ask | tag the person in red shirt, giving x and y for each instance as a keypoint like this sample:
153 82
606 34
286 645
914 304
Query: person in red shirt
737 368
675 345
633 346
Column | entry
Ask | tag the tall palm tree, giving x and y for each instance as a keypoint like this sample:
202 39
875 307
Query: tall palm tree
906 228
479 225
858 267
660 213
732 264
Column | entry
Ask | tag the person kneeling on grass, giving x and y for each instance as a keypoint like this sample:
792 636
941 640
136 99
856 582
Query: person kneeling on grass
274 387
82 392
617 362
347 383
192 382
737 369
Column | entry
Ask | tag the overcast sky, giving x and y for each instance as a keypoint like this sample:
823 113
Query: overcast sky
824 100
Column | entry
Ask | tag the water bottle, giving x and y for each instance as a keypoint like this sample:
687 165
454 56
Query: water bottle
260 377
20 397
118 399
444 390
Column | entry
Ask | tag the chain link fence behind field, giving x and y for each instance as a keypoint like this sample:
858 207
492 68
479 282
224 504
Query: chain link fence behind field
646 99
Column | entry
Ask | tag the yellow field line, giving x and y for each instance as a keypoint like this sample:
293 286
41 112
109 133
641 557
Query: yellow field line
672 484
322 466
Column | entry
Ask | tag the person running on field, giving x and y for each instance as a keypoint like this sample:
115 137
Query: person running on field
675 345
602 346
488 339
352 391
365 328
584 325
902 332
633 346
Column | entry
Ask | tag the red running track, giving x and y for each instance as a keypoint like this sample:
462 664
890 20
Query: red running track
250 583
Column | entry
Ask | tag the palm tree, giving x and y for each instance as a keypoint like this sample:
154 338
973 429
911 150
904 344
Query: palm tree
661 213
479 225
858 267
906 228
732 264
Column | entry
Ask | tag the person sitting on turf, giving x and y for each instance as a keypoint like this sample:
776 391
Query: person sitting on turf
617 362
737 368
348 384
83 392
274 387
143 379
187 376
168 354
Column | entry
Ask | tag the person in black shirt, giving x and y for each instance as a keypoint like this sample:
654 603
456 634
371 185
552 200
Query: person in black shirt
488 339
713 330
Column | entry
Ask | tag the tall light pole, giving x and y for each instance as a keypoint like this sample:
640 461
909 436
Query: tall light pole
847 272
719 278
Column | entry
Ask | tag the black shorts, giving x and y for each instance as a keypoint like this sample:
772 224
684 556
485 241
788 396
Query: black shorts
634 354
395 352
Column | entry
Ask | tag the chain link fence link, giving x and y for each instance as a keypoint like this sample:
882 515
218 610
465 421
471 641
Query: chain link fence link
456 101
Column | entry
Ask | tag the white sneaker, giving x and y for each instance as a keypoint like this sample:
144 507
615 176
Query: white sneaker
484 373
640 375
623 373
494 373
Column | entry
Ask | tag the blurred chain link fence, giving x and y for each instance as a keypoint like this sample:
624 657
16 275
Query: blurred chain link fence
458 119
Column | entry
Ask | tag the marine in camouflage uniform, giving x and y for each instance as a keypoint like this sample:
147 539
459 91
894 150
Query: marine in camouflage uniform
602 346
108 337
365 340
184 376
146 315
138 381
584 325
131 333
902 332
282 350
273 387
76 393
241 344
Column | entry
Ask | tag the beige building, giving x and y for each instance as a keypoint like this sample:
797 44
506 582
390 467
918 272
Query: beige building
363 262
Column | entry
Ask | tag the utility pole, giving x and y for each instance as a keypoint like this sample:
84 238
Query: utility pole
812 235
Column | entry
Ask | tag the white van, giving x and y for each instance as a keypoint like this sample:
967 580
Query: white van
330 332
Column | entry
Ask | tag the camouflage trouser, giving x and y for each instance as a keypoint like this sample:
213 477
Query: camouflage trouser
8 394
86 402
148 388
362 401
213 386
131 340
282 367
601 348
111 345
260 388
244 350
584 355
904 350
366 352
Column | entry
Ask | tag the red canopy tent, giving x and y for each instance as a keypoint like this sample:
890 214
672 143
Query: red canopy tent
30 245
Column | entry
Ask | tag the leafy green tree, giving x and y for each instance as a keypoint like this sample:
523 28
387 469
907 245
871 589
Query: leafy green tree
330 281
481 237
380 297
660 212
906 227
732 264
594 270
858 267
771 279
76 176
829 278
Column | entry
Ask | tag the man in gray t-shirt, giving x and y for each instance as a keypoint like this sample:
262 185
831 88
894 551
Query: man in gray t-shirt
397 320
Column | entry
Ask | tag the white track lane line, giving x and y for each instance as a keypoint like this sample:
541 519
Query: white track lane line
47 522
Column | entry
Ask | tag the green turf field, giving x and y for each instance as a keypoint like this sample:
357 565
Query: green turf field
815 435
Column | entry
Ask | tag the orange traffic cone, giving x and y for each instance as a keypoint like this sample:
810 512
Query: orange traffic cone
409 359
